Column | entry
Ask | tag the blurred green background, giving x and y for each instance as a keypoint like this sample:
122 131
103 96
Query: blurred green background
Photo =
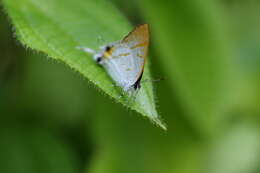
51 120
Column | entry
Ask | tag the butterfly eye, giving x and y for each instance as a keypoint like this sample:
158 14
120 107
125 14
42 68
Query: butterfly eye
99 59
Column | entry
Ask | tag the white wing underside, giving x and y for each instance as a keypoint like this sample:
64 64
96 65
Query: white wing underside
126 63
127 57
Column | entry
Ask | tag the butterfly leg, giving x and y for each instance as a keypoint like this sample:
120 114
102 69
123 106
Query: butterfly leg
132 94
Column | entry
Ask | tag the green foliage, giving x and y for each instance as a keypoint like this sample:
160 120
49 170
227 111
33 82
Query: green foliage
51 120
56 29
24 150
191 36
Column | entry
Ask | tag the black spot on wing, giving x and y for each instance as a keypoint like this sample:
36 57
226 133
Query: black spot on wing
137 84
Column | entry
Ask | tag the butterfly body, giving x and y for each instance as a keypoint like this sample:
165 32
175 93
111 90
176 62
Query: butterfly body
124 60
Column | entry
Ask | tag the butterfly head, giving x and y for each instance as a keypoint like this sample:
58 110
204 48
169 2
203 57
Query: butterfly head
105 52
98 57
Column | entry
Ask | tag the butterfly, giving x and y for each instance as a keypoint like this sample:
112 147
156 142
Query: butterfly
124 60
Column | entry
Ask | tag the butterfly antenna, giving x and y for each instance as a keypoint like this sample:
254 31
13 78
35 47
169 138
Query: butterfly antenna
153 80
86 49
101 40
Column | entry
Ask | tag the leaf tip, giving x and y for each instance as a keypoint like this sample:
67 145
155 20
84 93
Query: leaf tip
160 123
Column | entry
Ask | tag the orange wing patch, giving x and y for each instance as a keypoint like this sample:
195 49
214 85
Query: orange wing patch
139 35
139 38
124 54
139 45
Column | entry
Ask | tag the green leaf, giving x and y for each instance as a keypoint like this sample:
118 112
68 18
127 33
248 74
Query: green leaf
156 151
247 40
236 151
29 150
56 28
191 41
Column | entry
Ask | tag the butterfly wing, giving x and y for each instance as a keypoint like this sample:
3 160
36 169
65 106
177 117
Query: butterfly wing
128 57
140 34
138 42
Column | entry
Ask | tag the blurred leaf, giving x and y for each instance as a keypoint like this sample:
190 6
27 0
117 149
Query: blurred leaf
57 28
68 104
133 145
25 150
245 26
194 52
236 152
